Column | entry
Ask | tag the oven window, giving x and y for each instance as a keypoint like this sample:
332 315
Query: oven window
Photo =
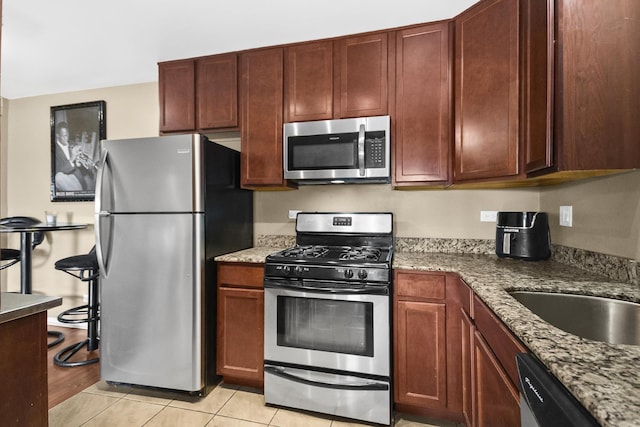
326 325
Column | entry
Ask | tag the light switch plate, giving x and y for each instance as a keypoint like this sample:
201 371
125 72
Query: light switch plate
566 216
293 213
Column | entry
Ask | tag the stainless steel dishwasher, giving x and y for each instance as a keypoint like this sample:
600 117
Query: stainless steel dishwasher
544 401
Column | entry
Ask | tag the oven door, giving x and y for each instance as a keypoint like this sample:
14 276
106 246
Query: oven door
327 327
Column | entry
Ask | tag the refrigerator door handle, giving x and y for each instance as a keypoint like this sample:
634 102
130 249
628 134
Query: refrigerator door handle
99 179
99 214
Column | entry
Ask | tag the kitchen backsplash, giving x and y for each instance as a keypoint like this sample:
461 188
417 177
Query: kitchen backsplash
616 268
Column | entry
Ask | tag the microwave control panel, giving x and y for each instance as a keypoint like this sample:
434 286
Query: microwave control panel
374 152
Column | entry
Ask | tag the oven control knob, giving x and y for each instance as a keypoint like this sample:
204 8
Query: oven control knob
362 274
286 269
348 273
298 270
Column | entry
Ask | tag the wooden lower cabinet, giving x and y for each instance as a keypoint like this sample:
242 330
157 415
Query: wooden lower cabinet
496 397
426 360
490 395
240 352
23 371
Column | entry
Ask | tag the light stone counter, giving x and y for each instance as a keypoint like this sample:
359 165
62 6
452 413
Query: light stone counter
14 306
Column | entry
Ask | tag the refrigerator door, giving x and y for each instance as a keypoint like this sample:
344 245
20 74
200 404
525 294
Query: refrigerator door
151 299
161 174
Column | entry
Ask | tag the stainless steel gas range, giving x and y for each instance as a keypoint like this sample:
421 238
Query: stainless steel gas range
328 317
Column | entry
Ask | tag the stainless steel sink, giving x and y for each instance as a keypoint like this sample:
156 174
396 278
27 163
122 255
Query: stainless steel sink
595 318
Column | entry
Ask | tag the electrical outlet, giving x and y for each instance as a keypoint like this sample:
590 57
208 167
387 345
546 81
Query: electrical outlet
488 216
293 213
566 216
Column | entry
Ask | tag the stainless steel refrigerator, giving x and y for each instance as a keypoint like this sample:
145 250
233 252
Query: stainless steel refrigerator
164 208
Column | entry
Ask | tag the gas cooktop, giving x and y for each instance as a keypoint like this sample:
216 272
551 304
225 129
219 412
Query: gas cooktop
336 254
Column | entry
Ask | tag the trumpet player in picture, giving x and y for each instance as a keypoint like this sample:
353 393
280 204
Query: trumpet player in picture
75 170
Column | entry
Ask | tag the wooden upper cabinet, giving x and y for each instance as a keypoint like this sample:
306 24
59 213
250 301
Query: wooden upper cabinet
361 76
538 84
598 91
217 91
176 81
308 90
487 91
422 113
261 103
199 94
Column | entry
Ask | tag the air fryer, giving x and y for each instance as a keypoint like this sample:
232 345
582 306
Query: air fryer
523 235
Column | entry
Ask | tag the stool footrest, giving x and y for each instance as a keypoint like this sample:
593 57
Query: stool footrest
82 310
62 358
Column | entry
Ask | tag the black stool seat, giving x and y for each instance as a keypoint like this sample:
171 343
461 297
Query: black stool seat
85 268
11 255
78 263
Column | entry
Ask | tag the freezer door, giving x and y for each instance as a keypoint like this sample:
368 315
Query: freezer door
162 174
151 282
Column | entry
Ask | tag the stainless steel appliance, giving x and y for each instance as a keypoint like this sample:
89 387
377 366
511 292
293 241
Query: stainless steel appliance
164 208
328 317
523 235
337 151
544 401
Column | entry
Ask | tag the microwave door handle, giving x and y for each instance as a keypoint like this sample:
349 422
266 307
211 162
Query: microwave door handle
361 149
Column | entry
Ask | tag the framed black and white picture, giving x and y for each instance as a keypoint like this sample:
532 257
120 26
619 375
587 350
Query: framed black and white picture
76 131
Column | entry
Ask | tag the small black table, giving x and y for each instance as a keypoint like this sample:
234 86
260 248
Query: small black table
26 252
26 238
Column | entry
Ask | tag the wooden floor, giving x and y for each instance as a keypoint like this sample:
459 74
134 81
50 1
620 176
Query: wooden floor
66 382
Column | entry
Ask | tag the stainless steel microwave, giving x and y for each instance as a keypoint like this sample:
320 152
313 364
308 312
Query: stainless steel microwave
338 151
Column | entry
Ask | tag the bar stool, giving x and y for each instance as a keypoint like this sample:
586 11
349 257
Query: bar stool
85 268
13 256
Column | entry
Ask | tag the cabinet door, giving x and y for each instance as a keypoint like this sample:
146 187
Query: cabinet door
466 338
308 90
422 119
240 351
217 91
420 354
538 68
261 81
176 84
598 92
487 91
361 76
497 399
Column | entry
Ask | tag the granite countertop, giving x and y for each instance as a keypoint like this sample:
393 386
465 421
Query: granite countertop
605 378
255 254
14 306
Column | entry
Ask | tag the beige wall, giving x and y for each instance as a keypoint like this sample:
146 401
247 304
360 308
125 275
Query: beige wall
132 111
606 214
606 210
432 213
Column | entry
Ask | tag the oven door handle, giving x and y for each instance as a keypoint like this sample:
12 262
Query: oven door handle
361 386
370 290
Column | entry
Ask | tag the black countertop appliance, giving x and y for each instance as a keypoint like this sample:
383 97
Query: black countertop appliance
523 235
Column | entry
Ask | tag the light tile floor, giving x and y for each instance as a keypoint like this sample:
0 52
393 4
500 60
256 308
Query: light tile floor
225 406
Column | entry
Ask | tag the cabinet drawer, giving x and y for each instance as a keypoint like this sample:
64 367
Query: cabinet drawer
419 285
245 275
503 343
